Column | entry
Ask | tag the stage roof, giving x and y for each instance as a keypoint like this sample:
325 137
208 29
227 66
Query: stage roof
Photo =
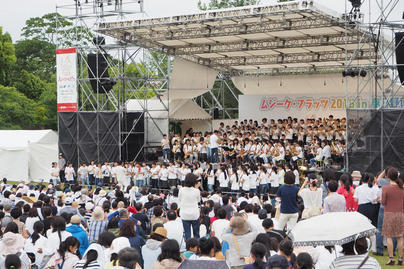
289 37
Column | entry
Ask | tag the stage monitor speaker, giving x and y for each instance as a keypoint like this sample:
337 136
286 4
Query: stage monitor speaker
98 73
216 113
400 55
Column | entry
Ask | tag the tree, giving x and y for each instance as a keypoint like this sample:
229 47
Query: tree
48 99
28 84
57 30
19 112
7 57
37 57
218 4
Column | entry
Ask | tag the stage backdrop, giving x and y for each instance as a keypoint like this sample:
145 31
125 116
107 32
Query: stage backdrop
297 106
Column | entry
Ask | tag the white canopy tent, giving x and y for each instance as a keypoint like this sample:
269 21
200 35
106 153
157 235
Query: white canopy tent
27 154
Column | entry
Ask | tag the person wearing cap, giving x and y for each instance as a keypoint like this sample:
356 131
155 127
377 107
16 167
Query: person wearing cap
97 224
13 243
236 245
68 208
189 197
77 231
152 249
117 245
356 177
7 205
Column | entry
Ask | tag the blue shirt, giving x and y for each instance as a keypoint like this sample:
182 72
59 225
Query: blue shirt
288 195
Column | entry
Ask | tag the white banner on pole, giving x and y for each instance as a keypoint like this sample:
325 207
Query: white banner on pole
66 67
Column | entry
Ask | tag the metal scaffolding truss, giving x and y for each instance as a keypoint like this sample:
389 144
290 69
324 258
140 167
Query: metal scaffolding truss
381 86
137 72
287 37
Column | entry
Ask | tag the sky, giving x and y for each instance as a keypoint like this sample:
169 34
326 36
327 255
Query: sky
14 13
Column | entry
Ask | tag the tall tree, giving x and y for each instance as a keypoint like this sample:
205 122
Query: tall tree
218 4
37 57
7 57
57 30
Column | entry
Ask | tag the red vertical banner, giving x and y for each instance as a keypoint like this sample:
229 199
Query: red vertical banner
66 72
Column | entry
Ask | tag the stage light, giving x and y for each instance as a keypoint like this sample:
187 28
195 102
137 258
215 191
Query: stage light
344 73
356 3
354 73
99 40
363 73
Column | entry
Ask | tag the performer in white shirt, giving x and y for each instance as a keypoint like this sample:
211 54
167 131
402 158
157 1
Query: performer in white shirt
106 170
83 174
69 174
55 174
121 179
165 146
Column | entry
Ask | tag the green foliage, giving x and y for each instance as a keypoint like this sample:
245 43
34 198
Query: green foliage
218 4
57 30
29 84
18 111
37 57
7 57
48 100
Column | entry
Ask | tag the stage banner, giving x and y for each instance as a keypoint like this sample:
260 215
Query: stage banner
66 72
296 106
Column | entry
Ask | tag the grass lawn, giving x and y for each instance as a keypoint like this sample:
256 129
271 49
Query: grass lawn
383 260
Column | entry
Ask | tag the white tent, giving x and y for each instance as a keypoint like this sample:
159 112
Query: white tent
27 154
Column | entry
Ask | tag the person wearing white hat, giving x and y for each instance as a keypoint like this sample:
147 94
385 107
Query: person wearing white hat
14 244
117 245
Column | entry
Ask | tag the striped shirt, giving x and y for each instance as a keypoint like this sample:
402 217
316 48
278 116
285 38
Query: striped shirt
353 261
91 265
95 229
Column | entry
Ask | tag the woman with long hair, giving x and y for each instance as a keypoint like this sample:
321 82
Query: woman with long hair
90 261
347 190
170 255
56 235
128 230
257 257
36 243
393 220
65 257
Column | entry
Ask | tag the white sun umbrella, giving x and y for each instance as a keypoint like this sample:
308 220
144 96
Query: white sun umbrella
331 229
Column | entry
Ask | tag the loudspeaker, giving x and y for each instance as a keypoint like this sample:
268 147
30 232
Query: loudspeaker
215 113
98 73
400 55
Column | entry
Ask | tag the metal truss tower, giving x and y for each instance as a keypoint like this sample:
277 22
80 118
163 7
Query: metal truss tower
380 84
136 72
